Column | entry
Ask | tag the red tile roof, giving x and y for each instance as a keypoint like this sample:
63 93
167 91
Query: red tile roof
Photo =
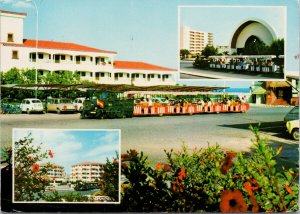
57 45
139 66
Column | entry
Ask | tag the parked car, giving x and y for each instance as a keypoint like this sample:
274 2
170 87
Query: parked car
60 105
293 128
30 105
78 103
292 114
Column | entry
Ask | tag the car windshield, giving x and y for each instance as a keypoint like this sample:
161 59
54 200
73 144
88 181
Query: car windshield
36 101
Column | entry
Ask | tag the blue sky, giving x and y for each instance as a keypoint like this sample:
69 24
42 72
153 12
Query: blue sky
139 30
74 146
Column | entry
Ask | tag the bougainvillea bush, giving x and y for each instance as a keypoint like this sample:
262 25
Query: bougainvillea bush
30 180
210 180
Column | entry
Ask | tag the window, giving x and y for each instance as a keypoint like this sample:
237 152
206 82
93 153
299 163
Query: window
15 55
91 59
128 75
41 56
91 74
10 37
62 57
71 57
102 74
144 75
121 75
83 58
82 74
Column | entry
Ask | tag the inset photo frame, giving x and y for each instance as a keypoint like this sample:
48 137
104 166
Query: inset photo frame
232 42
66 166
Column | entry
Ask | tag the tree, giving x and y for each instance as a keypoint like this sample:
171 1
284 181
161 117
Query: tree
254 46
13 76
30 179
184 53
209 50
277 47
63 77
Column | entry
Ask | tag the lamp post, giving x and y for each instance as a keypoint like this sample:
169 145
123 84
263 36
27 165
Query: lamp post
36 42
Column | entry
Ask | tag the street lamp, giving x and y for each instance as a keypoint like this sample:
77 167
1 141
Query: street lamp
36 42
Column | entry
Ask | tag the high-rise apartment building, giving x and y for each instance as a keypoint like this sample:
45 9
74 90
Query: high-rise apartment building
86 171
194 40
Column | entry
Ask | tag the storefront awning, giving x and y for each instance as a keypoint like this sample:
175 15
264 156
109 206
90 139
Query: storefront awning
259 90
279 84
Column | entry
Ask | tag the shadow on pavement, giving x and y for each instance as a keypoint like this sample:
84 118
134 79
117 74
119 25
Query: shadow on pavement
289 157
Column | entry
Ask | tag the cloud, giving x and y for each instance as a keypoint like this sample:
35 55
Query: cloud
6 1
21 4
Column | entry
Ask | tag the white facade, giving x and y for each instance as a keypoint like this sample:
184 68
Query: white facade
92 64
86 171
193 40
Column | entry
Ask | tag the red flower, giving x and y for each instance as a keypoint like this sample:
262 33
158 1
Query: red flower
248 188
35 167
181 174
103 186
159 166
177 186
50 154
289 190
228 162
167 168
125 157
233 201
98 182
30 158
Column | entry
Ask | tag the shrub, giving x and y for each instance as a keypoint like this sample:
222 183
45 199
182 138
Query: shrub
210 180
30 178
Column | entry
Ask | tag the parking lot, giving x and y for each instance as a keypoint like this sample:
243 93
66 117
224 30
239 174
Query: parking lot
154 134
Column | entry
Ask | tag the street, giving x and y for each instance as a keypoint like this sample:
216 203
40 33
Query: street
154 134
187 71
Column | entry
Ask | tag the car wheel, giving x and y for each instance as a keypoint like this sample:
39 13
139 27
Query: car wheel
58 111
28 111
295 134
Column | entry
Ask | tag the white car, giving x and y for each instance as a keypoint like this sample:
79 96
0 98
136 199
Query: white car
293 128
78 103
32 105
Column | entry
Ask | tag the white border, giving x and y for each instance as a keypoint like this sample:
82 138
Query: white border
58 202
284 7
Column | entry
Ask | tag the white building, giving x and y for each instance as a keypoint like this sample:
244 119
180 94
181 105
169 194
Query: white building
193 40
56 174
86 171
91 63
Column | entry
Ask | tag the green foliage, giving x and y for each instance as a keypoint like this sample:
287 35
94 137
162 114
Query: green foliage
62 77
184 53
68 197
255 47
209 50
277 47
82 186
30 179
109 179
195 180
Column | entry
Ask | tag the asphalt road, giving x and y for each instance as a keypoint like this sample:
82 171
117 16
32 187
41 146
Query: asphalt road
154 134
187 71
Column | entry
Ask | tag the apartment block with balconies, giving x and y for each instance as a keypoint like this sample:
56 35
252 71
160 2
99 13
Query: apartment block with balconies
194 40
86 171
90 63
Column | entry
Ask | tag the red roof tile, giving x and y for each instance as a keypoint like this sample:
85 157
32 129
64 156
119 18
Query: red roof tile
139 66
57 45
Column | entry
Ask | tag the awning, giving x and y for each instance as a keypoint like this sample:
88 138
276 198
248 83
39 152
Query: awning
279 84
259 90
113 88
